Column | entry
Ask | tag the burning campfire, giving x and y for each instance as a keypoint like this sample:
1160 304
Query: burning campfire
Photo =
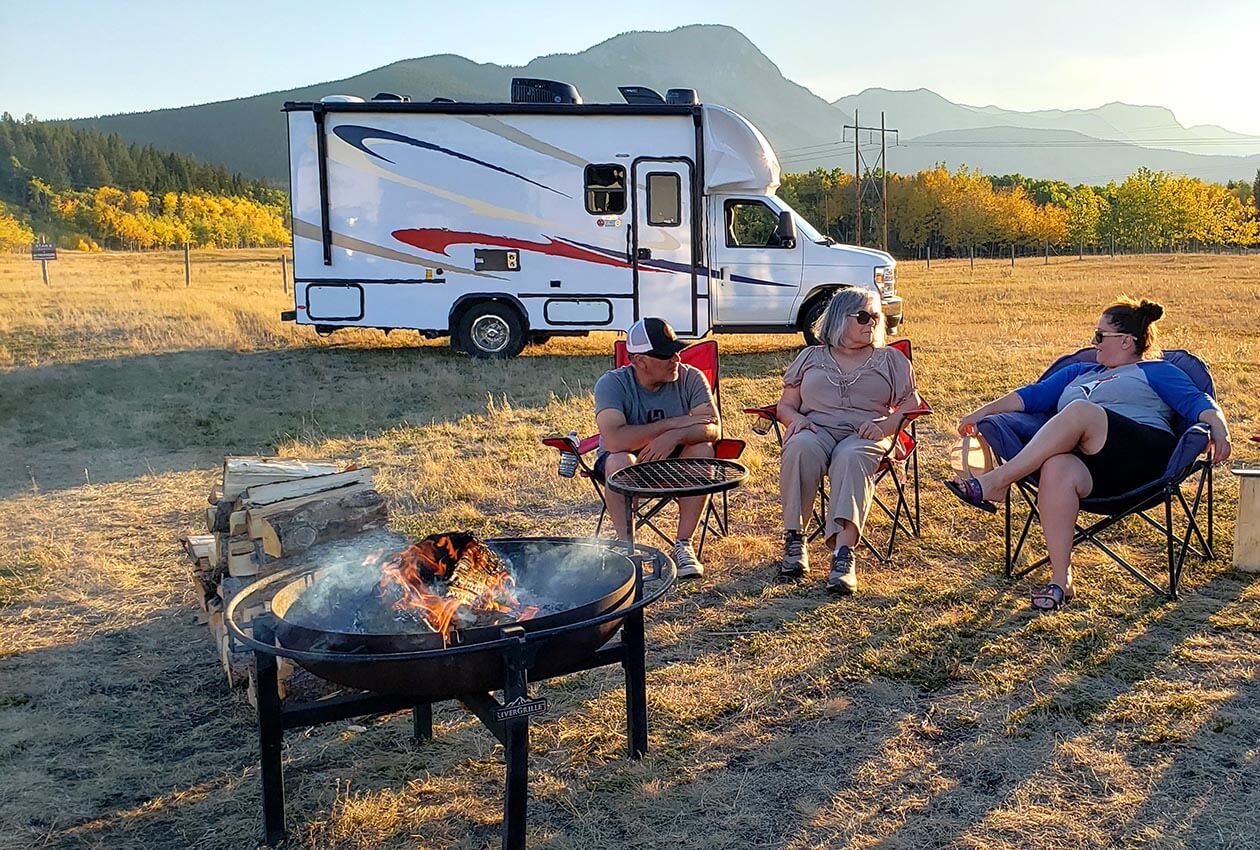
450 581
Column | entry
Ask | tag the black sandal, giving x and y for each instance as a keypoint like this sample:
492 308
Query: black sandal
970 493
1052 597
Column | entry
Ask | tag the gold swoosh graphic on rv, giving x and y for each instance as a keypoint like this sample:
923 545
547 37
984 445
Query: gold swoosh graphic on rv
312 231
352 157
525 140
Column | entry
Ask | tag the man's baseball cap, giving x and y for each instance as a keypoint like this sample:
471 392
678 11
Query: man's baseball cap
654 337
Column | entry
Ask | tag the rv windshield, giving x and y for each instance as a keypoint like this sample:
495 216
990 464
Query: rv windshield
811 233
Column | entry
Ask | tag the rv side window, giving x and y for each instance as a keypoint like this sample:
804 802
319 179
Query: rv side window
605 189
664 200
751 224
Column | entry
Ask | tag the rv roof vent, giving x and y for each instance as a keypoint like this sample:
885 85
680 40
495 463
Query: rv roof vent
640 95
340 98
682 97
389 95
442 100
525 90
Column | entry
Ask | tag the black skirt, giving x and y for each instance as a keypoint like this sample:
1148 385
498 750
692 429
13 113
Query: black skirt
1133 455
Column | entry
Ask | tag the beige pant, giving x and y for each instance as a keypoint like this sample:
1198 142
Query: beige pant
849 460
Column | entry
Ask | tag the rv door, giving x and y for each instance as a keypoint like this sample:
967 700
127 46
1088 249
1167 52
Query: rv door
663 246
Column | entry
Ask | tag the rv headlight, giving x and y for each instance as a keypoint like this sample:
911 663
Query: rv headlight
885 279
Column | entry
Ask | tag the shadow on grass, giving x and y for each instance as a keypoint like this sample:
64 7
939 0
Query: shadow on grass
121 418
130 738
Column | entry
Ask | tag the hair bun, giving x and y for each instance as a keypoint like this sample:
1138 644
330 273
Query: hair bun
1150 310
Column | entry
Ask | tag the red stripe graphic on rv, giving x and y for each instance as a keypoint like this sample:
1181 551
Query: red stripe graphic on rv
437 241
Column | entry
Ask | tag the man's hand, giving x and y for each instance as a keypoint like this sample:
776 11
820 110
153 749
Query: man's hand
967 425
660 448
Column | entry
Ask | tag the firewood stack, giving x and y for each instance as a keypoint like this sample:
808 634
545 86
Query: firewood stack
264 511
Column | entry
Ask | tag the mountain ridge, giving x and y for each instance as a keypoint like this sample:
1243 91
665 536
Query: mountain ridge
725 67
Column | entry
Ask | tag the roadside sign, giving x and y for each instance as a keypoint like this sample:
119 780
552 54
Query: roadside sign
43 251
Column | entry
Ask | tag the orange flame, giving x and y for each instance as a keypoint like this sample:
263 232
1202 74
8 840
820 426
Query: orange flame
452 580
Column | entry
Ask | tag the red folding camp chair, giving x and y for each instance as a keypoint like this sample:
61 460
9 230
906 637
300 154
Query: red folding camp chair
703 356
900 464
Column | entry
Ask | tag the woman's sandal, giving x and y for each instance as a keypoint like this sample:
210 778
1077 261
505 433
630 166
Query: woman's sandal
970 492
1052 597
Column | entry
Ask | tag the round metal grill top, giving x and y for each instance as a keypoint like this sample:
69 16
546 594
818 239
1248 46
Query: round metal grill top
679 476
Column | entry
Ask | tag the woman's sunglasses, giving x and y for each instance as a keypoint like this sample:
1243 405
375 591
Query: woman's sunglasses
1099 336
865 317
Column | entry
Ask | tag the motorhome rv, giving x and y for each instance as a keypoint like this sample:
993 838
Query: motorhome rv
497 224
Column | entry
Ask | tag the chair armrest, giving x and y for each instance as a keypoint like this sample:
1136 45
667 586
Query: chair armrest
562 444
913 413
770 411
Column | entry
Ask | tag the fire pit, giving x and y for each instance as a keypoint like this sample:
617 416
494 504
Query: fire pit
570 597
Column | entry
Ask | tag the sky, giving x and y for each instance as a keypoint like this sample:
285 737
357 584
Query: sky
74 58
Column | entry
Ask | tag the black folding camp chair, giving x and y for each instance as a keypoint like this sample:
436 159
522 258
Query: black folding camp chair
1191 463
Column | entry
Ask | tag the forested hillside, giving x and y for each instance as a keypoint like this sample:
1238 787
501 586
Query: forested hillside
86 189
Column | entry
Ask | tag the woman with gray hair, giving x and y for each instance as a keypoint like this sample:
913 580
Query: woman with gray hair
839 408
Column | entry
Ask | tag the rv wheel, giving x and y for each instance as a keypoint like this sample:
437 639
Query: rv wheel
491 330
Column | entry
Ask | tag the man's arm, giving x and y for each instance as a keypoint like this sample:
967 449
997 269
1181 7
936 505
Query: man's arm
700 426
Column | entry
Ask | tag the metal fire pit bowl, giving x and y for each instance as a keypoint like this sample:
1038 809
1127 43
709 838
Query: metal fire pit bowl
595 581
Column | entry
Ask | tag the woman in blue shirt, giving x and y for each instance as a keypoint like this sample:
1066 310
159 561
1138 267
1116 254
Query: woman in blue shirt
1111 432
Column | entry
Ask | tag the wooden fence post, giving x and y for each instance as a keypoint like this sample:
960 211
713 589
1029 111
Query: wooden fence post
929 256
284 272
187 268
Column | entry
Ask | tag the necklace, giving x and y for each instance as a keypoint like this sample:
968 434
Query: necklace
843 381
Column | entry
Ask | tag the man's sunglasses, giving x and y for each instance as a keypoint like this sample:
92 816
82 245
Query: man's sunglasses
659 356
1099 336
865 317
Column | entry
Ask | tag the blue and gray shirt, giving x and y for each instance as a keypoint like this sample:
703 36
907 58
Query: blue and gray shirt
1149 392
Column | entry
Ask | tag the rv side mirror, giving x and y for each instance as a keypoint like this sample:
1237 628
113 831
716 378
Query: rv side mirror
786 231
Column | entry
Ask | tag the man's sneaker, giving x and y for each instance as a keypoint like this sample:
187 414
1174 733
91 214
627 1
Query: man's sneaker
795 556
685 559
843 579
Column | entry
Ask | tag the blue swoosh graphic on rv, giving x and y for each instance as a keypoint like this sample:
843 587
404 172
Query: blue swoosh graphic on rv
357 136
668 265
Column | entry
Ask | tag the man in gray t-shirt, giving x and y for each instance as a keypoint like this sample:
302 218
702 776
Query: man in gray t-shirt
652 409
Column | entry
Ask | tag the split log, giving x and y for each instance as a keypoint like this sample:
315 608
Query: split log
237 660
241 473
222 513
265 494
200 546
241 559
283 533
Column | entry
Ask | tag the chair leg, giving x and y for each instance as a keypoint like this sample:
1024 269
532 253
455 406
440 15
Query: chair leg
1209 510
1172 566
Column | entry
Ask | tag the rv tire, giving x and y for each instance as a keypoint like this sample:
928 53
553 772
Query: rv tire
491 330
812 314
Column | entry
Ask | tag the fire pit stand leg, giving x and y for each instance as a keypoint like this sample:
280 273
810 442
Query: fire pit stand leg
515 747
270 736
636 684
422 722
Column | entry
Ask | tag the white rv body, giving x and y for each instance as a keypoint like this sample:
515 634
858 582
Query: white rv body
497 223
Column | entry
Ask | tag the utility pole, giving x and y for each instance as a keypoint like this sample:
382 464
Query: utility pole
860 166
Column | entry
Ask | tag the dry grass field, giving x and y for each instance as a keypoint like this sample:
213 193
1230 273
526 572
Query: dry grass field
932 710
